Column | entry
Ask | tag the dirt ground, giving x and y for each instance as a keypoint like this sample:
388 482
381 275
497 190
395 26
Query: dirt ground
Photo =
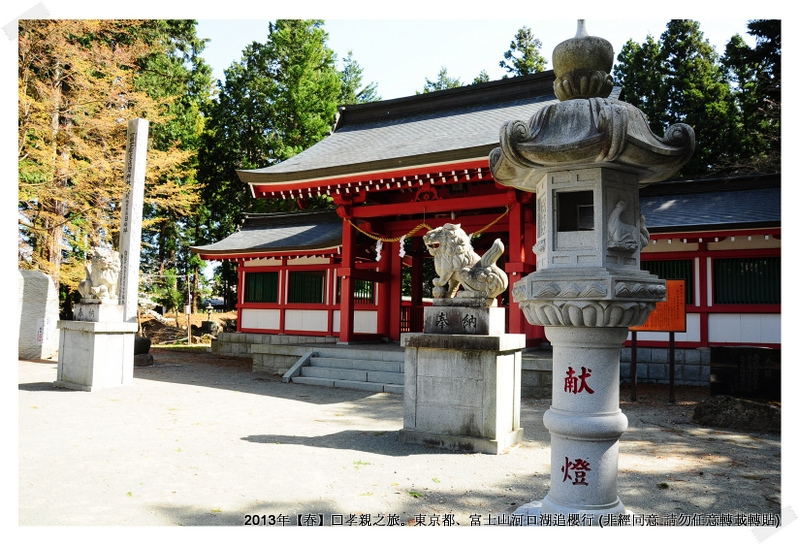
174 331
201 440
669 465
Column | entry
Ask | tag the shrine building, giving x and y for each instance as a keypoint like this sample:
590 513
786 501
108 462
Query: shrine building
397 168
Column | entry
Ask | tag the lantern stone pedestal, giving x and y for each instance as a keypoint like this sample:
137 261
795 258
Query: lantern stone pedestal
462 386
585 425
585 159
95 354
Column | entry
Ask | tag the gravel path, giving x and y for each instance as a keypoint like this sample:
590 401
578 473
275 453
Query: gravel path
200 440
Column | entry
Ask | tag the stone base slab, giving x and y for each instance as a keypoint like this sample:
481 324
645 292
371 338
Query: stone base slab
462 392
530 514
464 443
95 355
89 310
507 342
464 320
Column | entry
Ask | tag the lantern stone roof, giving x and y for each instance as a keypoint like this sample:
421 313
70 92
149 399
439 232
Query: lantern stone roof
301 233
714 203
442 127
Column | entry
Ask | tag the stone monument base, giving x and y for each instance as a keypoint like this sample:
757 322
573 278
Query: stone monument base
462 392
95 355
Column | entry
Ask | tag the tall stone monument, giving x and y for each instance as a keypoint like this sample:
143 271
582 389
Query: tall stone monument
585 159
462 374
96 348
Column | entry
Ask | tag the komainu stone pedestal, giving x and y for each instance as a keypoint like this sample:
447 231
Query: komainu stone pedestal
95 354
462 392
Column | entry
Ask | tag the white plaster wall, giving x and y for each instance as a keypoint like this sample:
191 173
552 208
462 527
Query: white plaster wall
306 320
257 318
38 316
749 328
364 321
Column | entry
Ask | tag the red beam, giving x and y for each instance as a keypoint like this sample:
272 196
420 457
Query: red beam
480 202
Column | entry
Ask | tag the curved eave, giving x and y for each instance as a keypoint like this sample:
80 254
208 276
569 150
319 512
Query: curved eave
305 179
767 227
249 255
279 235
469 168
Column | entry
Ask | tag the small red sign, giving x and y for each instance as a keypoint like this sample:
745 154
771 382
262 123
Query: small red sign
671 314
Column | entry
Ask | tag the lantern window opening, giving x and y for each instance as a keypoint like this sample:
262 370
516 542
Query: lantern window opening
575 211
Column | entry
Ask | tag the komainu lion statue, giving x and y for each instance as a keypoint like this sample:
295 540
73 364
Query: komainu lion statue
102 275
457 264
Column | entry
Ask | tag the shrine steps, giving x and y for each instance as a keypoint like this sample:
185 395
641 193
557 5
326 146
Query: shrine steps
355 369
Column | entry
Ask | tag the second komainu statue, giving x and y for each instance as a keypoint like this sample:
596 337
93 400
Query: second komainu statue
102 275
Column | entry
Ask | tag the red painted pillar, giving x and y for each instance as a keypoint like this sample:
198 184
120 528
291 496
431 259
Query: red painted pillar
384 289
239 294
418 250
521 262
515 266
346 273
395 297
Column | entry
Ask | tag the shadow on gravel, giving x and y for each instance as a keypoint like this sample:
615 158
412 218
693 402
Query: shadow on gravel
425 507
371 441
208 370
42 387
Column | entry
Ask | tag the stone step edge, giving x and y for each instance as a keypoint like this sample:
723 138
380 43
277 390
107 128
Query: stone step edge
350 384
341 373
359 365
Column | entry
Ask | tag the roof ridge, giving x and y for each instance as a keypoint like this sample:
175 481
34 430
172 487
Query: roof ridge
507 89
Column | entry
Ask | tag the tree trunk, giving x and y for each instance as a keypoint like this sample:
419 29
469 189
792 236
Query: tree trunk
52 206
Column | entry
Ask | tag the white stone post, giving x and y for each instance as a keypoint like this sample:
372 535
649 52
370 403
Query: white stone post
130 240
585 421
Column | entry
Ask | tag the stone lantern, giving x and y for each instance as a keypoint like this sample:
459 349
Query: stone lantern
585 158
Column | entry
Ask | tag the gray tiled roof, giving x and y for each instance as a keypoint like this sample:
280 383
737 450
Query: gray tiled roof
282 232
693 205
456 124
676 206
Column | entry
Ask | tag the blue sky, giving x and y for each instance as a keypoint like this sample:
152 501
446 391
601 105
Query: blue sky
396 53
399 55
401 45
